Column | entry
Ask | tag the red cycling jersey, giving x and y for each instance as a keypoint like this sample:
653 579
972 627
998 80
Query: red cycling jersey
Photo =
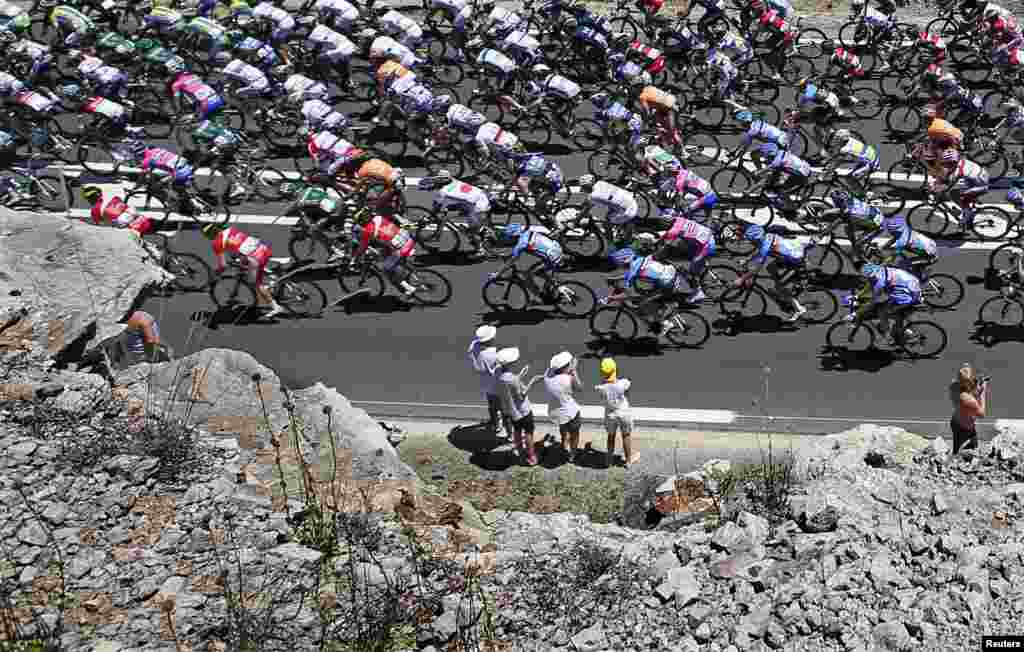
384 232
232 240
117 213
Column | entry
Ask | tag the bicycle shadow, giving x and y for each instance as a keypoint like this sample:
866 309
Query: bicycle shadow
528 317
455 258
842 359
362 304
732 325
989 335
213 319
640 347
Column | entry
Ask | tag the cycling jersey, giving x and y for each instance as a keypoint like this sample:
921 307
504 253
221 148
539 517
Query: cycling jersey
876 18
10 85
848 61
866 156
686 231
332 153
538 243
521 43
166 58
864 215
495 61
321 115
941 132
913 242
36 53
767 132
301 88
65 16
211 28
415 99
733 42
117 213
458 10
814 95
333 46
343 12
622 205
775 246
394 22
630 72
257 51
660 160
470 199
651 274
141 329
969 178
282 20
36 101
385 47
791 164
591 36
496 139
109 109
902 287
236 241
503 20
688 183
255 82
652 97
164 162
464 119
164 19
213 133
93 69
646 54
557 85
204 98
382 232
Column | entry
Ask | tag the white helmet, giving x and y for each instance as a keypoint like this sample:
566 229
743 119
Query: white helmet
587 181
541 69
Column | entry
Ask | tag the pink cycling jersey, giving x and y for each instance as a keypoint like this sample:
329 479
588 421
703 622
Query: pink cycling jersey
688 182
689 230
192 86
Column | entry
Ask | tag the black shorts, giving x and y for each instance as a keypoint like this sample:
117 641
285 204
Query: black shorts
524 425
572 427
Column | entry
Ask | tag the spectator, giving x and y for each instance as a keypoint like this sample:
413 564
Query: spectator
142 339
483 355
970 401
617 417
562 382
515 402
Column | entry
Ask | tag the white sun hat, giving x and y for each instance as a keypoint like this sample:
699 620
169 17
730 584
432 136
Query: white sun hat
560 360
508 356
486 333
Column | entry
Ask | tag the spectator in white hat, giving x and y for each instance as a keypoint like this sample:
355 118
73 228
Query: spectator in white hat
562 383
617 417
515 402
483 355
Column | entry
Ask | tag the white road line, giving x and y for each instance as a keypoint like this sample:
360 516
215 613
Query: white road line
641 414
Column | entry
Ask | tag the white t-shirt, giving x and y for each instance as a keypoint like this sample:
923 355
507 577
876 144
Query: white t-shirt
563 405
616 404
516 402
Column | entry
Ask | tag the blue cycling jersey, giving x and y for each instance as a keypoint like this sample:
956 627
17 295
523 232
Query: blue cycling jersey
767 132
913 242
902 287
789 251
661 275
537 242
790 163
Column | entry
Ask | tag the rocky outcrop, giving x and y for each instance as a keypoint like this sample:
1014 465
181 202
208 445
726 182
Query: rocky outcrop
65 285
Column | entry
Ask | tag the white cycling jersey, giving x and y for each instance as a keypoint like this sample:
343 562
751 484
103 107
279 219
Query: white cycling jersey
494 59
385 47
464 118
344 13
522 41
492 136
239 70
471 199
321 115
9 84
300 88
621 204
561 86
504 19
396 23
280 17
93 69
29 49
10 10
332 42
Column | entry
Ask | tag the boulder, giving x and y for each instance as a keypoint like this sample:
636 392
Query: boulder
1008 444
65 286
865 446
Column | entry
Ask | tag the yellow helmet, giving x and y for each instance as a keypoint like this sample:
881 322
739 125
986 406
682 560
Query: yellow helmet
608 367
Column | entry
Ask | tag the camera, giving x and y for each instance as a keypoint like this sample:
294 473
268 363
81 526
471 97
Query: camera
984 379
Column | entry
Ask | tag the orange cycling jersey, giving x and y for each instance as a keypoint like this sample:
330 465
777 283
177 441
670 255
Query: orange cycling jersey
391 67
377 170
940 131
656 98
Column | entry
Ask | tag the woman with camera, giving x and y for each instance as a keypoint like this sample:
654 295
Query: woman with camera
970 396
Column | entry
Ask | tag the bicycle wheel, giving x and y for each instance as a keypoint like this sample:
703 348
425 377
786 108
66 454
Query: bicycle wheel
301 298
267 182
432 288
904 119
585 241
49 193
942 291
821 305
191 273
607 165
444 159
701 149
810 217
534 129
97 158
437 236
1002 311
232 293
574 299
364 278
826 261
614 322
929 220
893 199
907 173
924 339
869 103
144 201
625 25
691 329
854 35
731 181
718 279
1004 257
505 294
991 223
850 336
743 302
309 245
944 27
588 135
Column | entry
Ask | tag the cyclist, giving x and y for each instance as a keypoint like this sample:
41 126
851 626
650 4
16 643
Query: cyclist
942 137
860 217
474 204
536 242
621 203
964 180
333 50
416 102
661 106
657 162
155 56
331 152
464 120
164 20
847 62
115 212
782 36
142 337
562 92
820 107
689 184
536 167
340 14
106 81
945 89
383 48
404 29
787 260
391 72
212 37
847 149
459 12
722 70
501 22
492 140
614 116
659 285
282 23
729 41
522 47
321 116
35 58
254 51
395 243
933 44
113 113
894 292
692 241
360 172
502 66
714 11
252 82
910 248
255 254
190 93
785 172
759 129
73 27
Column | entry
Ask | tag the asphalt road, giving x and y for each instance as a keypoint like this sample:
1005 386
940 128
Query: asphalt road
387 351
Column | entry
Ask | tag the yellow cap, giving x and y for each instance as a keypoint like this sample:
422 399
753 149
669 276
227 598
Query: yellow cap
608 367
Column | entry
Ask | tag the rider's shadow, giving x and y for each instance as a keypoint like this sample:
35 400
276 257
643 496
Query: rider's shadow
456 258
640 347
843 359
732 325
385 304
528 317
989 335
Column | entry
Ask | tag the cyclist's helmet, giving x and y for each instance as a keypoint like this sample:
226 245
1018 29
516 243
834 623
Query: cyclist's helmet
540 70
71 91
586 182
948 80
769 150
950 155
838 137
894 224
840 197
1014 196
744 116
146 44
871 270
644 243
622 257
91 193
802 84
441 103
754 233
511 231
7 37
601 100
210 231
